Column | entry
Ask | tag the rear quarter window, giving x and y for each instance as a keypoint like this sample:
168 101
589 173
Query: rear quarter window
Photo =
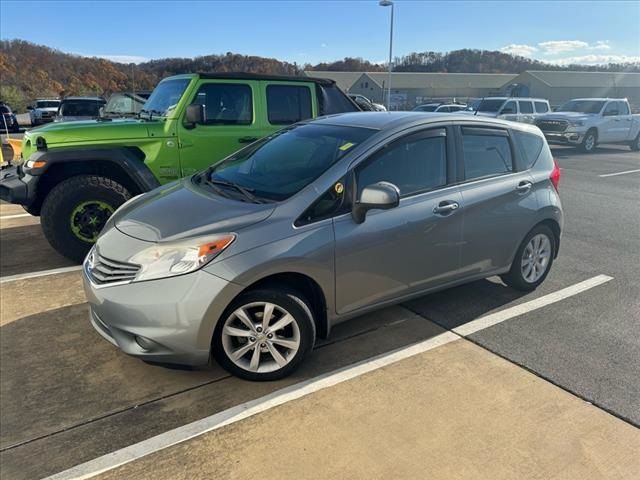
530 146
485 155
287 104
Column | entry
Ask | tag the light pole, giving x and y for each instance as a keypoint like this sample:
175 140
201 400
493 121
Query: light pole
389 3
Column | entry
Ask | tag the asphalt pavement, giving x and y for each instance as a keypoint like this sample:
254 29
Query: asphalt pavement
67 396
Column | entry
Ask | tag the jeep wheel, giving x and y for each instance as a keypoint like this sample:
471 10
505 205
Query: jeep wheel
75 211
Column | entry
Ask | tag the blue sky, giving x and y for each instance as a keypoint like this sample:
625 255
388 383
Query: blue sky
313 31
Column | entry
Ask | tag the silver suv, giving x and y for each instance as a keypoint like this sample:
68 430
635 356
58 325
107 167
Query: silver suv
254 258
524 110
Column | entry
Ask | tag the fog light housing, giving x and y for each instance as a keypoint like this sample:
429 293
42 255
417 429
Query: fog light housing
144 343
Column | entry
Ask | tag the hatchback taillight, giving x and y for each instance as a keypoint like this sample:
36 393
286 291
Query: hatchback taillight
555 175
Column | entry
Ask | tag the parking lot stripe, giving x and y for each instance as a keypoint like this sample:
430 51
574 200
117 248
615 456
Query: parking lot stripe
619 173
42 273
181 434
498 317
19 215
178 435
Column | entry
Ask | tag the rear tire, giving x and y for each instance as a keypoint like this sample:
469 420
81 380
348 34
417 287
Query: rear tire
589 141
533 260
75 211
635 145
255 341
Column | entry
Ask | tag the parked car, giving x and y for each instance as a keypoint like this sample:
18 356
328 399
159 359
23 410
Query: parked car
43 111
441 107
125 104
524 110
79 108
367 105
77 173
588 122
9 121
254 258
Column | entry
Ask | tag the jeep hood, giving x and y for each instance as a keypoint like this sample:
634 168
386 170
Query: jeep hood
92 131
181 210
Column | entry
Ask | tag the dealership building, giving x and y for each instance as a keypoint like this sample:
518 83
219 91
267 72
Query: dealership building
411 89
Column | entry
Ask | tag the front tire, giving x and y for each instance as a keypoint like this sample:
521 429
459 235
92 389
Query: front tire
264 334
533 260
589 141
75 211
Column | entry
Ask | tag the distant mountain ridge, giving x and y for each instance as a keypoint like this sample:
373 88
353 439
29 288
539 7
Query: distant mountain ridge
28 70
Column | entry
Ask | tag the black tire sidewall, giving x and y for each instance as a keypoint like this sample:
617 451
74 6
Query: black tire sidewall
515 278
584 142
64 198
292 302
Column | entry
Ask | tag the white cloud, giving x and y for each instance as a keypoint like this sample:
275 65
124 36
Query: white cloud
600 45
323 45
519 49
595 59
119 58
559 46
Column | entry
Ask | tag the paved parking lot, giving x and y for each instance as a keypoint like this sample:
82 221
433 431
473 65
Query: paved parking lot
67 396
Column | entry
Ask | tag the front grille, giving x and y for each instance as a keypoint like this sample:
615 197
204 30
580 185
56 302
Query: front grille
552 125
104 271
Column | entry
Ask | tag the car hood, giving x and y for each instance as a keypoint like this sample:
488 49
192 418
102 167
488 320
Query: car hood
181 210
567 116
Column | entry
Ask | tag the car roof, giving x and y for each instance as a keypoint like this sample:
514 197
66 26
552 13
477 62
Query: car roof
601 99
390 120
255 76
516 98
93 99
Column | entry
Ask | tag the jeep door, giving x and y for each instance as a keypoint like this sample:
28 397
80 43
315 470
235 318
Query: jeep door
410 247
232 120
498 199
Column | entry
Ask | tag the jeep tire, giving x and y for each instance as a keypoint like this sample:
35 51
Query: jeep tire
75 211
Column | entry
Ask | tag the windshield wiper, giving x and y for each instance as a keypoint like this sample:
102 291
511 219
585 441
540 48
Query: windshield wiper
243 190
205 181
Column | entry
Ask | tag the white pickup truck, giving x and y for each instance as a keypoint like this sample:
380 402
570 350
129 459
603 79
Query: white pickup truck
589 122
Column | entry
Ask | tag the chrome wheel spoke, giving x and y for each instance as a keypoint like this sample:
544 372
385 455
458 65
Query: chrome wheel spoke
255 358
244 318
286 343
237 332
239 353
267 313
283 322
277 356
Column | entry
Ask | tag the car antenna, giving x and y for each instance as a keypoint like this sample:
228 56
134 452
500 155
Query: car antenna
476 112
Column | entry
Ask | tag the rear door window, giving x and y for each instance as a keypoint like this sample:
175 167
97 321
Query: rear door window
226 103
541 107
530 146
287 104
487 153
525 106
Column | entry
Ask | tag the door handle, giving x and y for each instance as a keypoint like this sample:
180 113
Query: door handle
446 207
247 139
524 186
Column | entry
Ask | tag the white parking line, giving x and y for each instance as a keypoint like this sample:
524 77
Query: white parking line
226 417
619 173
498 317
19 215
42 273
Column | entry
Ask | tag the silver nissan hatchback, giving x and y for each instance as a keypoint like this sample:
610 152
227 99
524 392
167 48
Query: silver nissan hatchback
254 258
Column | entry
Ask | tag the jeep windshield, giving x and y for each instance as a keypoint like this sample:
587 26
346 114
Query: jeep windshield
582 106
491 106
283 164
164 98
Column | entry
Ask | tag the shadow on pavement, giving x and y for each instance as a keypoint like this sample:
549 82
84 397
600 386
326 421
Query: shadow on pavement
24 249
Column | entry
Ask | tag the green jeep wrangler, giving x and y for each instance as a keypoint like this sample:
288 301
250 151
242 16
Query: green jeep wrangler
76 174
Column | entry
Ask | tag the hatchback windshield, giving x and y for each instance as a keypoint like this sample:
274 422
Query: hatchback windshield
490 105
165 97
582 106
285 163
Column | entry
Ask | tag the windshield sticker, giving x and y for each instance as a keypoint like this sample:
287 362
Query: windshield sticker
346 146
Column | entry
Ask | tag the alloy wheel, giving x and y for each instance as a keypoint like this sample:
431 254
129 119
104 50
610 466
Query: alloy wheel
535 258
88 219
261 337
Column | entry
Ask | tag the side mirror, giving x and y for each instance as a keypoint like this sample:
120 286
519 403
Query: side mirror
381 196
196 114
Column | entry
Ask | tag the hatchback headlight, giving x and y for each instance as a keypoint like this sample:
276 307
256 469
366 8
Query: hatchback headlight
178 258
